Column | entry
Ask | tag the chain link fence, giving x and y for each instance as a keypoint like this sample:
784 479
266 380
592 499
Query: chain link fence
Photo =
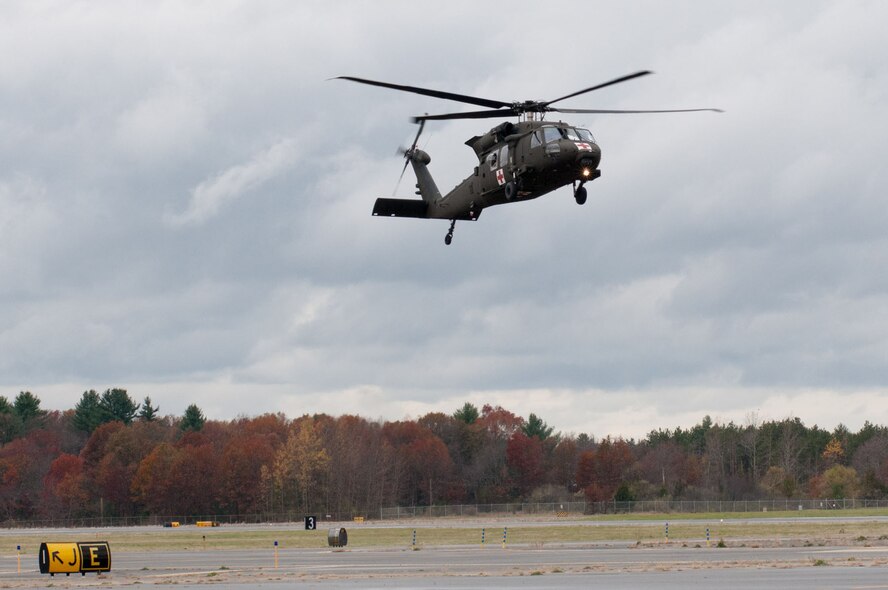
550 509
614 507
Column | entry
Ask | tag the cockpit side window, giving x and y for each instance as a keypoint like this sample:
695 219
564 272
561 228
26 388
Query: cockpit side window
535 140
551 134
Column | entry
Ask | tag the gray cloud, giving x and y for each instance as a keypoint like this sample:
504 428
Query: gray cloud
184 205
211 194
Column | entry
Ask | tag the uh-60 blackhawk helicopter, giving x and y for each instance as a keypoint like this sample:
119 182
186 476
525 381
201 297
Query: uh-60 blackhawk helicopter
516 161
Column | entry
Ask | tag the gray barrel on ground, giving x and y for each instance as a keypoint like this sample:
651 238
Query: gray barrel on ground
337 537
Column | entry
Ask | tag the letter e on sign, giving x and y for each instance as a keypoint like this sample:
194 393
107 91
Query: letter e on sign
96 557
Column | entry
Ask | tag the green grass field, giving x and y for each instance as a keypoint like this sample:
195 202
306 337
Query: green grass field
734 528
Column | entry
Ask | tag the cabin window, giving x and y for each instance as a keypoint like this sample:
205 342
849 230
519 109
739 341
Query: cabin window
492 160
504 155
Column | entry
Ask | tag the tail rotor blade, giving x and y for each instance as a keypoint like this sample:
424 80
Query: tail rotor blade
400 178
409 154
418 133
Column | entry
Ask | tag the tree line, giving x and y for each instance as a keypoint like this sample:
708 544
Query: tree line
111 456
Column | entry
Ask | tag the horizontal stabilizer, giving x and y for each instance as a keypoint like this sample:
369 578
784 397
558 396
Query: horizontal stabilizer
401 208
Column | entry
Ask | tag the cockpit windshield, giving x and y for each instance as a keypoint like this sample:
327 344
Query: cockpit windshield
577 134
571 134
585 135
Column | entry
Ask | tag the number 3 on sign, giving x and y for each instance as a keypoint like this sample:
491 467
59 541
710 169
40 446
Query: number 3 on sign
311 523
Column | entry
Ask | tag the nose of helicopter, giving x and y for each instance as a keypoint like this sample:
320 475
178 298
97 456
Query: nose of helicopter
588 157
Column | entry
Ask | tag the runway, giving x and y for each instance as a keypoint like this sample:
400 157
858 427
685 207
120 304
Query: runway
807 562
606 566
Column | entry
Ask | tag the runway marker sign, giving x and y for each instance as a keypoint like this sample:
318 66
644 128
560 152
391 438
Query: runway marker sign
74 558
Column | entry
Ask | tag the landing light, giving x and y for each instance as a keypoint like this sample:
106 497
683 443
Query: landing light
586 172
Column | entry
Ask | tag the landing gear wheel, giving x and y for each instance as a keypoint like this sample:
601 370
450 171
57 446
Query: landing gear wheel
511 190
449 237
580 195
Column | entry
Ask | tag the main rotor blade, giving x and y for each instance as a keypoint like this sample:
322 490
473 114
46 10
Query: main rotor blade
611 83
620 112
481 102
492 114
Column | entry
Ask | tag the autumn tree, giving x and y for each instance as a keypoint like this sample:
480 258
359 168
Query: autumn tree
194 475
487 475
151 487
24 463
298 466
600 472
524 457
779 483
65 491
871 463
92 455
362 470
423 460
463 437
310 460
668 469
499 422
563 464
837 482
834 452
243 458
122 453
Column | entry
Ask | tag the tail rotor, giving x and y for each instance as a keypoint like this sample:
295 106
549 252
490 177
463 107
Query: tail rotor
408 154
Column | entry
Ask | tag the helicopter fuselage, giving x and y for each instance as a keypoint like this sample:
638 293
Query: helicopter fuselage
520 161
516 161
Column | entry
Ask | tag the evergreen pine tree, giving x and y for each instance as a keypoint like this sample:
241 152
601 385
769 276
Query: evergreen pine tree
148 413
27 407
88 412
116 404
193 419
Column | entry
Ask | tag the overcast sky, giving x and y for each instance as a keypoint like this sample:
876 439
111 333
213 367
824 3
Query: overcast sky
185 211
